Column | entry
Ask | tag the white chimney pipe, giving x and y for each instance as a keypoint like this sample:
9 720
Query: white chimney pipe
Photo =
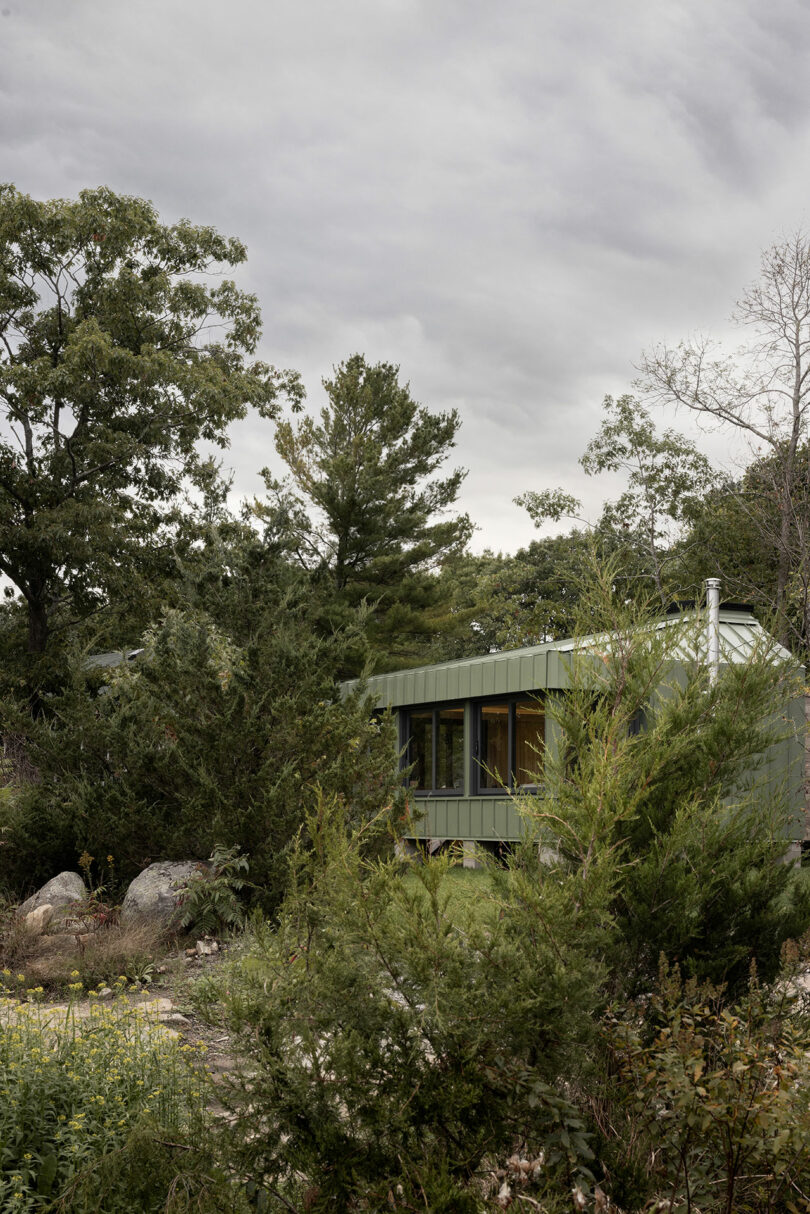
713 626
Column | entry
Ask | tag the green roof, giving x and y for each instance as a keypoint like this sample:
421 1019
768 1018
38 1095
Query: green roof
539 666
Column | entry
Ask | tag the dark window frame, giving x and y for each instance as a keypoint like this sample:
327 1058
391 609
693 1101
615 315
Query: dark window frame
405 745
512 699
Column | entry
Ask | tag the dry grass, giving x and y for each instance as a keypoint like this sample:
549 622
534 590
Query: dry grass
52 961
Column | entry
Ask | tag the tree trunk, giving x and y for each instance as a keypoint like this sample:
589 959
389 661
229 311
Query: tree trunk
37 626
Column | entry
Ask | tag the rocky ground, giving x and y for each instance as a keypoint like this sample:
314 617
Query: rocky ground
62 939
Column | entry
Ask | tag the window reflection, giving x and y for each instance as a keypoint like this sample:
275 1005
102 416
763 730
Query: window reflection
530 733
494 745
511 737
436 749
450 749
420 751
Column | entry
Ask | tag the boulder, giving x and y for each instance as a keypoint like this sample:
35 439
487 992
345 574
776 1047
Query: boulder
61 893
153 894
37 920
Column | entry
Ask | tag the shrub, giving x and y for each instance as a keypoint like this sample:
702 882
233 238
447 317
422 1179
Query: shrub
77 1093
709 1106
682 814
209 899
399 1048
201 742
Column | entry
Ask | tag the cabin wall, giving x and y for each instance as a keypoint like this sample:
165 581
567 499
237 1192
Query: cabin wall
784 771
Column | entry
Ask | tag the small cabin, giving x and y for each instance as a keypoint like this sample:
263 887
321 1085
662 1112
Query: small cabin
469 730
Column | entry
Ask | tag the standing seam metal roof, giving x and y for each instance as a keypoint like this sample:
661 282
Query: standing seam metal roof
538 666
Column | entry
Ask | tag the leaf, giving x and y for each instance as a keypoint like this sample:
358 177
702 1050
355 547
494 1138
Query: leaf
47 1174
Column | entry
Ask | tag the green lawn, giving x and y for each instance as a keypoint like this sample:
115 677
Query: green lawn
465 889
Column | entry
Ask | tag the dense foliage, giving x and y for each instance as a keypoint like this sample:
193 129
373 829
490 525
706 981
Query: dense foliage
360 509
196 743
660 778
102 1112
118 352
413 1052
400 1049
536 1048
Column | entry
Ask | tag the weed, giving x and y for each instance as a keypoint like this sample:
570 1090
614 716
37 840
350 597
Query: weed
97 957
75 1089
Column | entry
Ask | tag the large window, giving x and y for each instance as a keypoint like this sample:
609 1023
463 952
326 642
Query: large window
435 750
509 742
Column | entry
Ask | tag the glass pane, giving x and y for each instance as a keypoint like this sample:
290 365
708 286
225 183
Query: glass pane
450 752
494 757
530 733
420 751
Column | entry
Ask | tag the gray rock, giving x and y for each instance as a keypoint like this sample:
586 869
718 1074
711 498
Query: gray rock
37 920
204 948
62 891
176 1018
104 993
154 893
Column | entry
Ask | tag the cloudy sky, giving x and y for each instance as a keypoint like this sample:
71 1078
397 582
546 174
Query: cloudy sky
508 199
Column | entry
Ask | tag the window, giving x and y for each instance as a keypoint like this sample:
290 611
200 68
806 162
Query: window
508 749
435 750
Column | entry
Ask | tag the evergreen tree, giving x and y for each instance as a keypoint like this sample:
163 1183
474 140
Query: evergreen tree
360 510
662 778
203 740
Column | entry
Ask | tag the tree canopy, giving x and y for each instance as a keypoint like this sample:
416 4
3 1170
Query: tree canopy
118 352
762 392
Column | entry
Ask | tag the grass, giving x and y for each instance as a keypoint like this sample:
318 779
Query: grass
467 891
99 957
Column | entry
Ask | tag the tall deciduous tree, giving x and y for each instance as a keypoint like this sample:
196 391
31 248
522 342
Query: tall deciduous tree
764 393
666 476
118 352
362 505
666 479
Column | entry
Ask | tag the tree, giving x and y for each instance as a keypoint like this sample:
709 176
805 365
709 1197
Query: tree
202 741
505 601
359 507
118 352
667 476
662 778
763 392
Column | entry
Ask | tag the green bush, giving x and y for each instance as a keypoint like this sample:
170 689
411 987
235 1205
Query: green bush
708 1107
209 900
662 781
77 1093
402 1046
199 743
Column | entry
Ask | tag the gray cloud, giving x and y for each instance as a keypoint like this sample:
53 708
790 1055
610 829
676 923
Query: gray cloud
510 201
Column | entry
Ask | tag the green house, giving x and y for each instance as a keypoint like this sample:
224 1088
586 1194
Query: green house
468 728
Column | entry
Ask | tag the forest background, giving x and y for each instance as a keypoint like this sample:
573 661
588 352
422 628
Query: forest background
125 350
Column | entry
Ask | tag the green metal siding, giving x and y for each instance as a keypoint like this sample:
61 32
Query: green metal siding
545 667
490 819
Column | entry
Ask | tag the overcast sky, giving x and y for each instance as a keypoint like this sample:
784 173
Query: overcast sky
508 199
